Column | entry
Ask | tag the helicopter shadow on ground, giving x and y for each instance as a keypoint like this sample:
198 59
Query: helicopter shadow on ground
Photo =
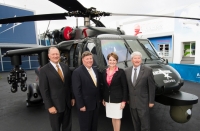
14 115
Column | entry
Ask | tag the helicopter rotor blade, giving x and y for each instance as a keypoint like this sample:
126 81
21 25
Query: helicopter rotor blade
57 16
70 5
165 16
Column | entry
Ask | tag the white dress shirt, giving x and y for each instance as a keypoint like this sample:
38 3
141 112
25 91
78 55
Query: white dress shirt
54 65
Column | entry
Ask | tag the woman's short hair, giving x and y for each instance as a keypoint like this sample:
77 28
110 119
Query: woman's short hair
136 53
86 53
114 55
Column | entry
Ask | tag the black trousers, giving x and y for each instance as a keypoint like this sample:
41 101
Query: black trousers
61 120
141 119
88 120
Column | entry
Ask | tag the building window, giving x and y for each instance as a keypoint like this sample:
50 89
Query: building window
189 49
164 49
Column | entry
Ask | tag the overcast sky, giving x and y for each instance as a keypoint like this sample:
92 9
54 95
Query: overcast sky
114 6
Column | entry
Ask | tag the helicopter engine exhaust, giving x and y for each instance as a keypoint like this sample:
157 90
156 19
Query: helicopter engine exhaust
181 114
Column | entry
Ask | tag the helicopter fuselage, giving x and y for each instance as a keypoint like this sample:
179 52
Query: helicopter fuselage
167 80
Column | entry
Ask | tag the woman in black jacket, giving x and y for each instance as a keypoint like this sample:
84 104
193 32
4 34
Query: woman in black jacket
115 91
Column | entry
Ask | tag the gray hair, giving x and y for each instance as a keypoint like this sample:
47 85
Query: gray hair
52 47
136 53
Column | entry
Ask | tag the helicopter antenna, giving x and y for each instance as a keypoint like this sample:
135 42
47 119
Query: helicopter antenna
48 26
76 22
46 33
25 3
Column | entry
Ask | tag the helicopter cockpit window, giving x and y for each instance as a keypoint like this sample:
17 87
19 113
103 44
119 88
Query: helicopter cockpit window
92 48
135 46
150 48
116 46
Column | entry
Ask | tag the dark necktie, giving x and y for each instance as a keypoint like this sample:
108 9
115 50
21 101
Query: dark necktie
135 76
60 72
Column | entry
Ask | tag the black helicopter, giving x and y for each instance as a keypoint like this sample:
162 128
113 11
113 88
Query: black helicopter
101 41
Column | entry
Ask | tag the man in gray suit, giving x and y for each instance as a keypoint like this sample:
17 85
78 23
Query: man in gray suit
141 87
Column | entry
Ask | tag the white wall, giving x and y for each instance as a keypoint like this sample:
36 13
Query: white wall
187 31
151 26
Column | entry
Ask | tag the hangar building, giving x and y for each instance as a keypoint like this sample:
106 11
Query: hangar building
16 36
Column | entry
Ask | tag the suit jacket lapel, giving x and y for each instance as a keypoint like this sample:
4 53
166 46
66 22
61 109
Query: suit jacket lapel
96 73
63 70
129 71
87 73
140 74
51 68
105 78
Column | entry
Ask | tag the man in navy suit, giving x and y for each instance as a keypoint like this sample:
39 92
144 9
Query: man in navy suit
56 91
85 84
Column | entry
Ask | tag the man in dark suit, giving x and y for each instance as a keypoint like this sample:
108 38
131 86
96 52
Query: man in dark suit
55 84
85 84
141 87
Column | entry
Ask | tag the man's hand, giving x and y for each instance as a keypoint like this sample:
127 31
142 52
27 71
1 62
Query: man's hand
52 110
104 103
72 102
151 105
83 109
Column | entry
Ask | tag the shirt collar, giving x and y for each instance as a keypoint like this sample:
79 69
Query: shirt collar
137 67
88 68
54 64
116 69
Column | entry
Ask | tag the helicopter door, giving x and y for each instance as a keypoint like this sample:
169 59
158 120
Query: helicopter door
77 54
90 46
